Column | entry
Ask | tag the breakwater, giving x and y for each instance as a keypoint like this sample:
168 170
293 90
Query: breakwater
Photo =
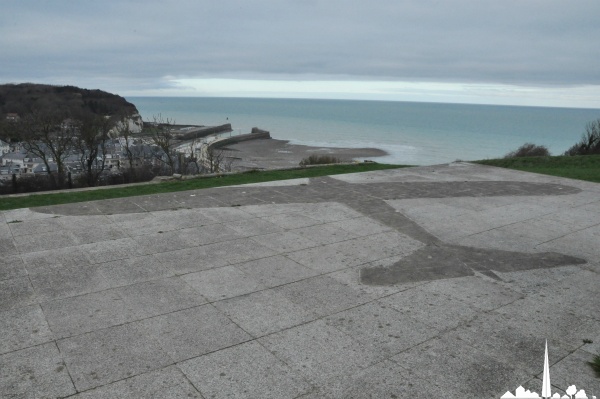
256 133
204 132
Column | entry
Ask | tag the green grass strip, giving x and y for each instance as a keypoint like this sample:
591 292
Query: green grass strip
45 199
581 167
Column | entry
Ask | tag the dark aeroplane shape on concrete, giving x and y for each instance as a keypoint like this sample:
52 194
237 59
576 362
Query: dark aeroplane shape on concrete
437 260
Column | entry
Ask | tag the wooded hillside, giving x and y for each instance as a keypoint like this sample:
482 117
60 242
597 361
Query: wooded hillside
26 98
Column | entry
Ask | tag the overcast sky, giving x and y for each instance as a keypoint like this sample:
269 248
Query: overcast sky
523 52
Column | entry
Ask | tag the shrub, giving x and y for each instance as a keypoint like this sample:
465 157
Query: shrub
529 150
319 160
590 141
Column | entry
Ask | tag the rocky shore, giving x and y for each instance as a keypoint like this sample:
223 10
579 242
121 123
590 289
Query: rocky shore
273 153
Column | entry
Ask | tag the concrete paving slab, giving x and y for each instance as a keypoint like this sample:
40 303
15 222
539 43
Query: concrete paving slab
320 352
152 203
360 226
11 266
222 283
508 344
163 241
238 251
283 242
72 222
351 277
15 293
106 251
25 227
276 270
324 259
139 224
119 205
474 374
110 355
66 282
79 209
5 232
592 347
323 295
90 312
136 269
533 281
531 315
209 234
252 227
25 214
277 209
382 380
86 313
226 214
292 220
45 261
382 326
173 292
191 199
182 218
23 327
167 383
194 332
324 233
97 232
191 260
576 243
332 212
453 277
578 294
40 242
434 309
477 291
265 312
35 372
562 373
244 371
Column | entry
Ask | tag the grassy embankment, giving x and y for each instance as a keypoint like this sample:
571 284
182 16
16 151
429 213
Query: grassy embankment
44 199
581 167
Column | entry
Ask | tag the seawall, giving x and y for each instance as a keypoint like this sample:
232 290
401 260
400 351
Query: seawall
256 134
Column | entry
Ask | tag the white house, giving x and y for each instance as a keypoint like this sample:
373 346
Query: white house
4 147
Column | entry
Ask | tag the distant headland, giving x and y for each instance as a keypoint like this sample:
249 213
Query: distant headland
27 98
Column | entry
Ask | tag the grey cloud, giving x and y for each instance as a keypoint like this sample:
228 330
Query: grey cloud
534 42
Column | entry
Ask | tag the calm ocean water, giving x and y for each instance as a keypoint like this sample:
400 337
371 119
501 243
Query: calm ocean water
412 133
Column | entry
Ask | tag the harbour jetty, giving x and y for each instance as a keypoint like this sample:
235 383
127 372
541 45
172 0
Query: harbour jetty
255 134
196 132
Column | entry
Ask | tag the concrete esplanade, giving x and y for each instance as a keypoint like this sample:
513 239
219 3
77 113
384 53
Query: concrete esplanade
439 281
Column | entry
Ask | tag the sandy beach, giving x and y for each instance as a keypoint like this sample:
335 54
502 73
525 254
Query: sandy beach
273 153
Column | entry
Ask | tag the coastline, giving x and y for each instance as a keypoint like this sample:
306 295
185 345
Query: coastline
274 153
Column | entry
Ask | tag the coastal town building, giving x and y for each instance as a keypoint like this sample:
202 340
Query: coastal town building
13 117
4 147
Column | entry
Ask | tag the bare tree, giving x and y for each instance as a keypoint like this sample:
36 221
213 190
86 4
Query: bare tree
190 163
92 137
590 141
48 137
124 130
215 159
161 132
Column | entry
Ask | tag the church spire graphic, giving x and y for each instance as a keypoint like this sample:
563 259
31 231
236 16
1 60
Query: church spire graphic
546 379
571 392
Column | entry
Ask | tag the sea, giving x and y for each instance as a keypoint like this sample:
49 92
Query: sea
412 133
